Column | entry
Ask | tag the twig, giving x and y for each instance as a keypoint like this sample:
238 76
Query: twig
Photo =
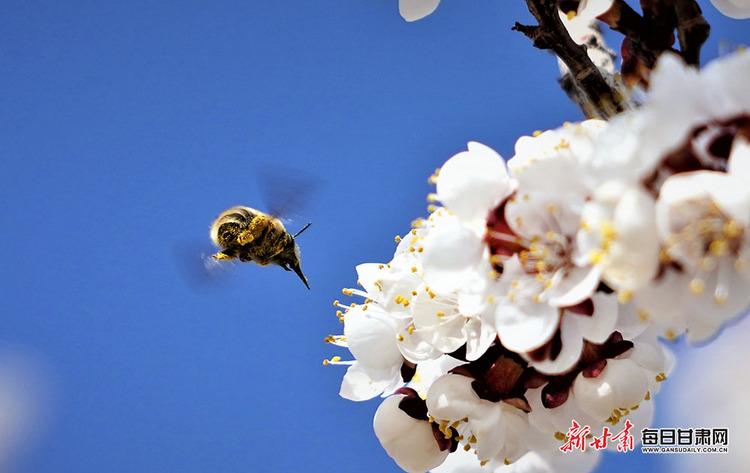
551 34
692 30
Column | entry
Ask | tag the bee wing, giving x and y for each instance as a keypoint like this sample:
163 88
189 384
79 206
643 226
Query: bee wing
286 190
200 271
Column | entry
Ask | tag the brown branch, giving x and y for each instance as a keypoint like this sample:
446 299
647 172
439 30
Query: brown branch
692 30
551 34
649 35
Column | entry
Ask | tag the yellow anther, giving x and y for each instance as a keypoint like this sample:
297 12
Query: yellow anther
536 133
364 307
719 247
406 303
648 396
410 329
347 292
643 315
607 230
441 313
420 249
571 14
596 256
399 299
413 269
561 436
670 335
413 293
398 239
336 303
733 229
431 208
432 294
697 286
660 377
467 447
623 297
551 208
400 338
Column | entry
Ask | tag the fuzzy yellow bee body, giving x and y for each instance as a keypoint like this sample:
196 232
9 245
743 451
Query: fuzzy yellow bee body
248 234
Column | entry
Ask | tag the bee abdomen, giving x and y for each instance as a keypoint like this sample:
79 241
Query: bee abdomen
230 223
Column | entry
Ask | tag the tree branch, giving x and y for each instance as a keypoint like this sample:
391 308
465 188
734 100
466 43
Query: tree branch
692 30
550 34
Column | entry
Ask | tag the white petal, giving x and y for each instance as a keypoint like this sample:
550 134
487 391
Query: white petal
371 337
488 426
739 159
576 285
473 182
634 258
368 274
572 343
479 336
622 384
412 10
525 325
451 397
410 442
599 326
451 253
360 384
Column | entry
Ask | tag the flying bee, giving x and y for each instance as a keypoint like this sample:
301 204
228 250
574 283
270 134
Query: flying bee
251 235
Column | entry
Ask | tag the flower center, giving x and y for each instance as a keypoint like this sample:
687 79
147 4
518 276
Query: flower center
545 254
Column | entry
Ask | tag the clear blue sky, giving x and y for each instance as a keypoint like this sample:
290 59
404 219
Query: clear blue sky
126 127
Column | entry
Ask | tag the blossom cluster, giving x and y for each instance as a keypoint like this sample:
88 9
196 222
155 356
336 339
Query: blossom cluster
412 10
541 290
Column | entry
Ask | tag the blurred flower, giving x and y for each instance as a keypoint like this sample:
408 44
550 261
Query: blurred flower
413 10
739 9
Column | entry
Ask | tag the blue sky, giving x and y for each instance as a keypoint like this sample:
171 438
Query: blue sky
125 128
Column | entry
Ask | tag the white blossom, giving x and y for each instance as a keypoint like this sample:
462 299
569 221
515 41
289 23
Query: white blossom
413 10
409 441
739 9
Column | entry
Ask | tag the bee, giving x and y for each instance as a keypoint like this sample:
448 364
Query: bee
251 235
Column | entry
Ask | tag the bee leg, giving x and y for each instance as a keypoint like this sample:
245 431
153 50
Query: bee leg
222 256
246 237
